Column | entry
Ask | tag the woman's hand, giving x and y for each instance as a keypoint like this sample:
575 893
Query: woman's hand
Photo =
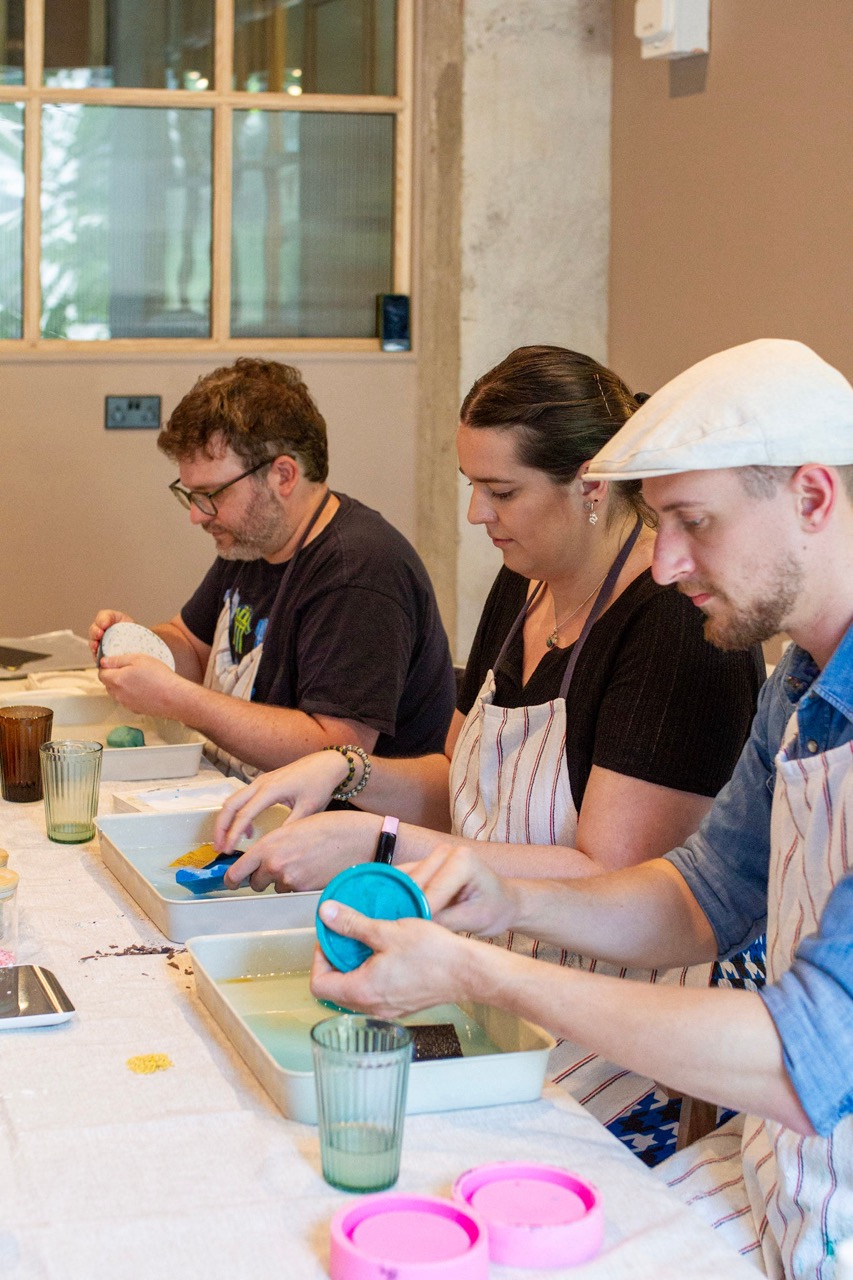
305 855
464 894
305 786
415 965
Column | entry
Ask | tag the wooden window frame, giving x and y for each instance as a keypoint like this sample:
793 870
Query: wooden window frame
221 100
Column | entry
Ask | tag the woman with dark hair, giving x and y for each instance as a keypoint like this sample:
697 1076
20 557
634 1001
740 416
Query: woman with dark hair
594 723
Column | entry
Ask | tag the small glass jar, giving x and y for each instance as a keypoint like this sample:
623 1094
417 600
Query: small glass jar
8 917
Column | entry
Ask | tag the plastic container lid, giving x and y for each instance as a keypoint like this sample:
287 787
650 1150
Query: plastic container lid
408 1237
376 890
129 637
536 1215
8 882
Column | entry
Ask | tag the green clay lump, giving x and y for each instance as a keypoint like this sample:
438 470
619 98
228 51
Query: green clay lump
124 735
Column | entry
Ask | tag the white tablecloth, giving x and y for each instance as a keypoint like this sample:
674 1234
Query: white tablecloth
191 1171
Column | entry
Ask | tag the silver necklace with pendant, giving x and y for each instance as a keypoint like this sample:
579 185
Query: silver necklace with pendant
552 639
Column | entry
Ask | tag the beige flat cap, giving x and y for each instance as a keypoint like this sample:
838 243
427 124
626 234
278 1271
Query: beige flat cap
771 403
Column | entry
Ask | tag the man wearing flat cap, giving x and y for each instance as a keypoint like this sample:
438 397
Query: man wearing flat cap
747 458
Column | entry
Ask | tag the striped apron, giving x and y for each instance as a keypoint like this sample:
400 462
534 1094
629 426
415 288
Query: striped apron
237 679
509 782
781 1197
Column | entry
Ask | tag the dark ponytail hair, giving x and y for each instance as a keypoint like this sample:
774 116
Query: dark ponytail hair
562 406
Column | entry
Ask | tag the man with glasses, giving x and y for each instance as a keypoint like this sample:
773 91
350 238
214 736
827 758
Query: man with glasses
317 624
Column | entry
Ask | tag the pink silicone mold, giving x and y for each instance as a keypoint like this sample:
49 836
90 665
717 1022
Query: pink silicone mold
536 1215
409 1237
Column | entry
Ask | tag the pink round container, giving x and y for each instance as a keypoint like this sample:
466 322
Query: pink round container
536 1215
409 1237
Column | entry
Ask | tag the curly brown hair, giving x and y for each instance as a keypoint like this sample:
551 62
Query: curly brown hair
258 408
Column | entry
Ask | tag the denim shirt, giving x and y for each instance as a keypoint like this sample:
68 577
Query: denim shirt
726 866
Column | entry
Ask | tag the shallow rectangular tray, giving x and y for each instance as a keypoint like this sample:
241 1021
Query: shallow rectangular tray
171 751
208 793
138 847
513 1073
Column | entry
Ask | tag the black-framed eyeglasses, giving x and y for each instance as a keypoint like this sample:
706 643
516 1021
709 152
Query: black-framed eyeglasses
204 500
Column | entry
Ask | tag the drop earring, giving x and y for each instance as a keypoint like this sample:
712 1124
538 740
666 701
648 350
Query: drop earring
589 506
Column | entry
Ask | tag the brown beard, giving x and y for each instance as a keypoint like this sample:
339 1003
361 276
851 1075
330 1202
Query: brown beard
261 531
762 618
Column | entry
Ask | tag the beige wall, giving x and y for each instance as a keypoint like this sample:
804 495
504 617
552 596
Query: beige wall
535 206
733 189
438 159
85 516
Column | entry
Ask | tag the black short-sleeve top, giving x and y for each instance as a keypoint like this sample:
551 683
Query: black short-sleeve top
360 637
650 697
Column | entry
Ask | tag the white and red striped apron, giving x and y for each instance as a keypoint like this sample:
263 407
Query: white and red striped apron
237 679
785 1199
509 782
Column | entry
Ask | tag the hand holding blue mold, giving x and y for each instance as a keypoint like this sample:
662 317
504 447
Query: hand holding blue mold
211 876
412 964
376 890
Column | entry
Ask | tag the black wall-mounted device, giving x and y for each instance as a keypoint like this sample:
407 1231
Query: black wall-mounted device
392 321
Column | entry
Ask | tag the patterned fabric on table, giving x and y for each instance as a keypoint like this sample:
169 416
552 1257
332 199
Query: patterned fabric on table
746 971
650 1130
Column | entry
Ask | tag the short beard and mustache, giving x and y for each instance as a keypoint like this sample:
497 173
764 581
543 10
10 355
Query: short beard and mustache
762 618
261 533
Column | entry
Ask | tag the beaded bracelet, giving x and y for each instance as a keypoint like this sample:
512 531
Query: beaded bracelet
340 792
350 761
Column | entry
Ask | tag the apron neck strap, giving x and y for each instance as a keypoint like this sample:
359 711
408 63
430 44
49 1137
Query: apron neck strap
601 602
278 603
519 622
315 516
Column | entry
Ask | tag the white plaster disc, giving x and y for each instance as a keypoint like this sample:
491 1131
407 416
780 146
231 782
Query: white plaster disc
129 637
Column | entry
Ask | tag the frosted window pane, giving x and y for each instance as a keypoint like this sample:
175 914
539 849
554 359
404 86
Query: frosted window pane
149 44
312 223
126 197
11 217
315 46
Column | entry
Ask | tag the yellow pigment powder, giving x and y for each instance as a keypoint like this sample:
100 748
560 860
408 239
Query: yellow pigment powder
145 1064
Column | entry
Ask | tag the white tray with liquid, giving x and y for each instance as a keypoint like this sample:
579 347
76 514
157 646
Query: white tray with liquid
256 987
138 849
171 750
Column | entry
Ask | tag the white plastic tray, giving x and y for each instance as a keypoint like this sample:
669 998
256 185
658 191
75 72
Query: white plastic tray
138 847
226 966
208 793
171 750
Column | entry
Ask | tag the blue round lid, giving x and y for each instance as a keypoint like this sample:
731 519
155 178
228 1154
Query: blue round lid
376 890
